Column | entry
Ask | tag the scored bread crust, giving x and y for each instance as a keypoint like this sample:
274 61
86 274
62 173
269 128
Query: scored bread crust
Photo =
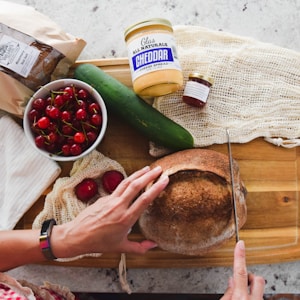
194 214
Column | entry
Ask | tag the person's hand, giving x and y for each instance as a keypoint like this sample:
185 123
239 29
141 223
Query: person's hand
243 286
104 225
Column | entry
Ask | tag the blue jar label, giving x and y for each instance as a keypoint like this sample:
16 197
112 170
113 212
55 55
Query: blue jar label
148 57
152 52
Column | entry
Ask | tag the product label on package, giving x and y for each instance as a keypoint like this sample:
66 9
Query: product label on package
17 56
196 90
152 52
26 59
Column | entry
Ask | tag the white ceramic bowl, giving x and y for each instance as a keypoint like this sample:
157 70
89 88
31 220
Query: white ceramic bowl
54 86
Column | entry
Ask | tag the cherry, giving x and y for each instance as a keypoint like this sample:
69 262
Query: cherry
70 141
59 100
66 116
75 149
52 137
82 94
79 137
40 141
96 119
50 148
48 108
76 124
91 136
80 104
67 129
49 101
43 123
111 179
66 149
68 93
81 114
54 112
33 115
94 108
39 104
86 189
52 127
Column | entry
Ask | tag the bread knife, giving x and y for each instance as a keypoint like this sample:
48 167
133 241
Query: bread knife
237 237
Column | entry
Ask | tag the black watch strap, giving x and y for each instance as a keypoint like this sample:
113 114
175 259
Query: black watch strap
45 239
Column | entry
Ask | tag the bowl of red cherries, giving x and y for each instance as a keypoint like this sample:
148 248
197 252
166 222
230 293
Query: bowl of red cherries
65 119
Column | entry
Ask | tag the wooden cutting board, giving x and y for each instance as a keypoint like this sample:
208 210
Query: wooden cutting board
271 175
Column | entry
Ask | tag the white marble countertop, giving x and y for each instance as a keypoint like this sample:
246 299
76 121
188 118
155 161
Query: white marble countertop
102 23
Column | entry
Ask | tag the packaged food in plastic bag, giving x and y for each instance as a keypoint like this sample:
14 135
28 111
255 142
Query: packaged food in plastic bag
33 51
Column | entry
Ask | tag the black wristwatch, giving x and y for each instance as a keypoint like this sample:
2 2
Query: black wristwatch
45 239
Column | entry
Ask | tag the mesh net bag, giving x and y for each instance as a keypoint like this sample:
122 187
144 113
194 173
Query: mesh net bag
61 203
256 91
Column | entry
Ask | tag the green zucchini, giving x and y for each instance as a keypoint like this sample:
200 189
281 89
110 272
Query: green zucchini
122 101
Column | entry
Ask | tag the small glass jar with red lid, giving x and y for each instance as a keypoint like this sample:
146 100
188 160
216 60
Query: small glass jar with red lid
197 89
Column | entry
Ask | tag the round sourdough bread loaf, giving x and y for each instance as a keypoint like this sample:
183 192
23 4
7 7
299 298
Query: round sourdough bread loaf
194 214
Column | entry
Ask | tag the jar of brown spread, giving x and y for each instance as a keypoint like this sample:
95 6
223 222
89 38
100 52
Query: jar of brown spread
197 89
153 60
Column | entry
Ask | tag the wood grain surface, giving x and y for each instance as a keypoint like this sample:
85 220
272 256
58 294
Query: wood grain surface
271 175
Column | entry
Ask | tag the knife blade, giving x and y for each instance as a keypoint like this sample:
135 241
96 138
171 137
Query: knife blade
236 221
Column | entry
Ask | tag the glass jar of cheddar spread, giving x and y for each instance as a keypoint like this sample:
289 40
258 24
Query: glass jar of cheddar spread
153 60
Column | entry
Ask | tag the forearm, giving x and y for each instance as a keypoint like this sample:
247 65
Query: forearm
19 247
102 227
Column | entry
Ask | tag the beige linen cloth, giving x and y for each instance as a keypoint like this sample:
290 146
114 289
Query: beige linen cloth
256 91
24 173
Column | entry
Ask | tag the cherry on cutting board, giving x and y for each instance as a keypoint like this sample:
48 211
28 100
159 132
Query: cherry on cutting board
86 189
111 179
